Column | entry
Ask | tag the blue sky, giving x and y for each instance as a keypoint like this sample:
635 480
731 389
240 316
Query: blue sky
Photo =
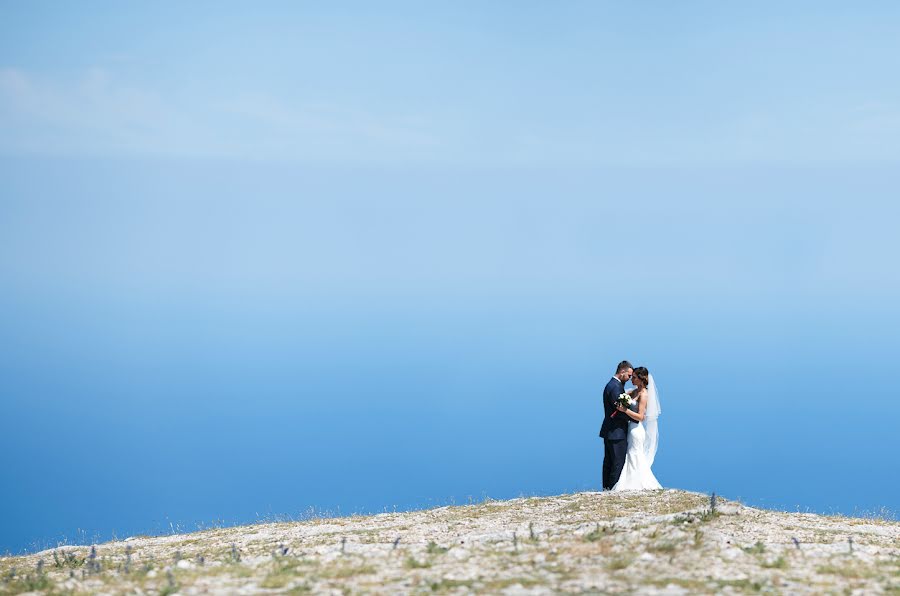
261 259
453 83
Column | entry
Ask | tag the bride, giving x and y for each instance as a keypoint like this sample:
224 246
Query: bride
642 434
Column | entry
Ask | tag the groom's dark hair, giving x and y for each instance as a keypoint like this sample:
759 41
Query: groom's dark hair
624 365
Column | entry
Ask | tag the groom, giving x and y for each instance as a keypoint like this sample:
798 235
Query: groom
614 429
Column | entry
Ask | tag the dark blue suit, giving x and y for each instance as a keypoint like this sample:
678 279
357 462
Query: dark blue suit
614 431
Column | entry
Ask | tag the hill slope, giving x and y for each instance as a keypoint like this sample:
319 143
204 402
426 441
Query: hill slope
650 542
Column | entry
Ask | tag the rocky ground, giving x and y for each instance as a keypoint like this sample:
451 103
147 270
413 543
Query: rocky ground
666 541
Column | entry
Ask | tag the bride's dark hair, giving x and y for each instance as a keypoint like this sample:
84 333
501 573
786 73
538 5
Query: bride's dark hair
643 374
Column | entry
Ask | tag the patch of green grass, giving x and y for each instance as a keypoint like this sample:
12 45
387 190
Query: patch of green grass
232 569
343 572
694 517
778 563
599 533
275 581
27 583
283 573
618 563
450 584
698 538
851 571
412 563
662 547
499 584
693 585
678 503
172 586
744 585
564 573
434 549
757 549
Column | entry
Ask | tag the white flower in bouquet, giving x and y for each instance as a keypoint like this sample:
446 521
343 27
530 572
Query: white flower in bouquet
623 400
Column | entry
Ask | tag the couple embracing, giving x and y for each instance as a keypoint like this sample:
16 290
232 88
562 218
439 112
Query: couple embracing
629 430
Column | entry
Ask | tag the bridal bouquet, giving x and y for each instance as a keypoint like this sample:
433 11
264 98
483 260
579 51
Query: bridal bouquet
623 400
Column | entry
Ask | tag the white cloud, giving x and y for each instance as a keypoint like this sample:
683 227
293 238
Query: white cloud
96 113
91 114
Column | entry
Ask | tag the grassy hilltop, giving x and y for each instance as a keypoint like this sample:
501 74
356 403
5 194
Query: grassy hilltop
666 541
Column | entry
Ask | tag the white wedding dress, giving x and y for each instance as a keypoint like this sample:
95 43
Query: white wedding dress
642 442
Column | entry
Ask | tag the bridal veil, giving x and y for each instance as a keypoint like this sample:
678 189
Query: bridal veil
650 424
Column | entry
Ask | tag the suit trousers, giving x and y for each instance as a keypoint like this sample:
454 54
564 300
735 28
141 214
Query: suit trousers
613 461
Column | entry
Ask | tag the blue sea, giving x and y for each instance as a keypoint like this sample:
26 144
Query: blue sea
191 344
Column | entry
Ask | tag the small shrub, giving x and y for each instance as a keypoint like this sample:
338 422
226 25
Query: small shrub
598 533
412 563
29 583
757 549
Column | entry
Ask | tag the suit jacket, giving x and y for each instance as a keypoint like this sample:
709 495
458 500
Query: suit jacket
614 428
